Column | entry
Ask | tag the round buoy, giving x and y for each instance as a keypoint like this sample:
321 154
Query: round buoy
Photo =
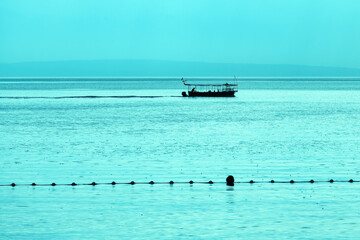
292 181
171 182
73 184
151 182
272 181
53 184
312 181
13 184
251 181
351 180
230 180
331 180
210 182
113 183
93 183
191 181
132 182
33 184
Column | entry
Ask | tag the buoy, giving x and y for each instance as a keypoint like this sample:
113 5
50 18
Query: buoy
230 180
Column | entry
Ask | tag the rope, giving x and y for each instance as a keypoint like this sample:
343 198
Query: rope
230 183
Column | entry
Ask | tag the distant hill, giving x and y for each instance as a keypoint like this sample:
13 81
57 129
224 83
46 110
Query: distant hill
153 68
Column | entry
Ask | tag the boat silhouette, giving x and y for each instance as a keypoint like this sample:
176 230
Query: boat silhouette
210 90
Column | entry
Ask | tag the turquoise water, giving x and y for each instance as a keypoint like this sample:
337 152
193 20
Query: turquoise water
279 130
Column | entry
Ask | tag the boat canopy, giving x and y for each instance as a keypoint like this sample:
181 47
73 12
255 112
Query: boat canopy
211 87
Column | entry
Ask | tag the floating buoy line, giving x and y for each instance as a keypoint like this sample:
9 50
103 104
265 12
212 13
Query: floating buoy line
230 181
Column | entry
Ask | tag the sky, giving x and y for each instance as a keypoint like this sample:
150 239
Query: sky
303 32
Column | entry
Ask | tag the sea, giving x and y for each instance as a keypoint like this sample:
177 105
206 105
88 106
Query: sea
100 130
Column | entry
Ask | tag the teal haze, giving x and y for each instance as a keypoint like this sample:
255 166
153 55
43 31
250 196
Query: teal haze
322 33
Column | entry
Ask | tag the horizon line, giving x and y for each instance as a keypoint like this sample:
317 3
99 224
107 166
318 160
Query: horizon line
189 77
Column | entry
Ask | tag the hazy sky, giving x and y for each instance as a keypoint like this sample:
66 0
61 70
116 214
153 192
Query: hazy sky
308 32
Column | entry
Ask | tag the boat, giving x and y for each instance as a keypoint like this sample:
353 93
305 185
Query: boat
210 90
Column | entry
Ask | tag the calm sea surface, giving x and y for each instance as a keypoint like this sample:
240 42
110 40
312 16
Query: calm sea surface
87 130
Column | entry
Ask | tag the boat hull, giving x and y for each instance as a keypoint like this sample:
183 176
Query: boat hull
212 94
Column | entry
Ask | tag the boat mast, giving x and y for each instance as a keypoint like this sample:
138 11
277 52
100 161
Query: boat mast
184 81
